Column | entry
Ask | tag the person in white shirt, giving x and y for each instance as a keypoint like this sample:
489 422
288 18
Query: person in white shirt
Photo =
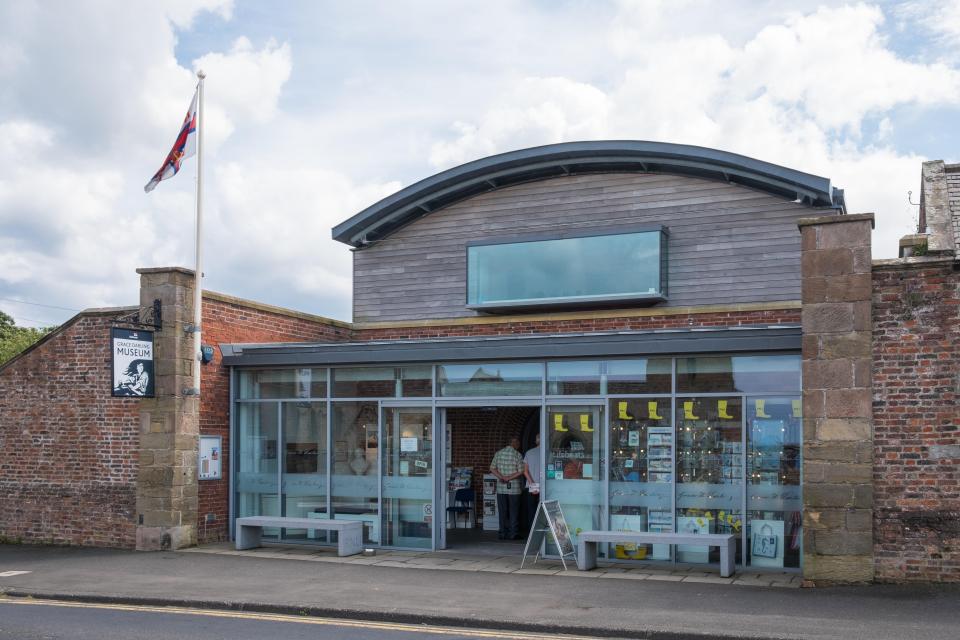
531 471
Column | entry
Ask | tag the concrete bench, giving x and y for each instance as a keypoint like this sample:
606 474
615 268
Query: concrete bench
349 532
587 545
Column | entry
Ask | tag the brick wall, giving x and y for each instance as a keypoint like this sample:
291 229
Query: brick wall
230 320
582 323
68 451
916 414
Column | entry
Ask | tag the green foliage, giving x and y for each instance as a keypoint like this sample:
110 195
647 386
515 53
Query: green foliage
14 339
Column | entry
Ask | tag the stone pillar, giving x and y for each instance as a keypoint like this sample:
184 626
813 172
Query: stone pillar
837 399
169 423
935 211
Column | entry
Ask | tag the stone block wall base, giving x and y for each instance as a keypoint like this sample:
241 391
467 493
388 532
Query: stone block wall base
825 570
166 538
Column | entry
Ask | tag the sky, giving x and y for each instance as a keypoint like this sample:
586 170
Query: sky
317 109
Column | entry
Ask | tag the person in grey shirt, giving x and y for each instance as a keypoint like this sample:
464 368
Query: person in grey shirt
531 471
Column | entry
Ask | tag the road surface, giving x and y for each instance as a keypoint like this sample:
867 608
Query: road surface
28 619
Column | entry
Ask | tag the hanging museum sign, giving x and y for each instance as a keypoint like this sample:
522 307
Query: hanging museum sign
132 358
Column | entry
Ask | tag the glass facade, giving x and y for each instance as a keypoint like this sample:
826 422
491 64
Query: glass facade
354 481
641 472
700 444
709 452
612 266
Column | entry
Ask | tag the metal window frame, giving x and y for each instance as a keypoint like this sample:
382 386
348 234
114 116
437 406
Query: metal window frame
567 301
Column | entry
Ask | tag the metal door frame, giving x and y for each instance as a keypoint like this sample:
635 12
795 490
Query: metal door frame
427 405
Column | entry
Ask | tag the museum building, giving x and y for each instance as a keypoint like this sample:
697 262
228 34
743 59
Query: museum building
690 333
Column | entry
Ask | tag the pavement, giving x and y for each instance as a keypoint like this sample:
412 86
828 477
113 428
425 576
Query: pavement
573 602
493 560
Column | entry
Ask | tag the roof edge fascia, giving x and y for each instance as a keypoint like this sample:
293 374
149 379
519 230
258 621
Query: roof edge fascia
536 163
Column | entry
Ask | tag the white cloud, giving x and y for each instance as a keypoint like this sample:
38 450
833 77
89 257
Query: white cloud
940 19
182 12
537 109
795 94
83 126
243 85
279 219
836 67
315 114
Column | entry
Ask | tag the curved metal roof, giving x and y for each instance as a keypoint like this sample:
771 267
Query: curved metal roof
538 163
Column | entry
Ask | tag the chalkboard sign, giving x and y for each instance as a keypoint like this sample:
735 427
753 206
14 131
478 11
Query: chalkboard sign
550 519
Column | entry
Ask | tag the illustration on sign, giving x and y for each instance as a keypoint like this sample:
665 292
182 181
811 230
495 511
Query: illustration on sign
132 363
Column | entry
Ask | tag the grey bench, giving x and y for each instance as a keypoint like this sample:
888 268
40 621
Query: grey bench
349 532
587 545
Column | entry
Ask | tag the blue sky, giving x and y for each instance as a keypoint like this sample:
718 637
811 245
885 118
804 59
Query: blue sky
318 109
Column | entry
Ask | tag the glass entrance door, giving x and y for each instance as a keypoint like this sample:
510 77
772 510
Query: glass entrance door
573 470
407 508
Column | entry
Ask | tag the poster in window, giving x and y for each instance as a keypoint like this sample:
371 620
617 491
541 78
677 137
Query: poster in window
132 363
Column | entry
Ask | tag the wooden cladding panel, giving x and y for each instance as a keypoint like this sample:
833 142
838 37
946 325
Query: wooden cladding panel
728 244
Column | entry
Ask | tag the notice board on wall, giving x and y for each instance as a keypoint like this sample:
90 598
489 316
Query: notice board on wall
211 458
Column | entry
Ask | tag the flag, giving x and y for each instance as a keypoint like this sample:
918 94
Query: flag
184 147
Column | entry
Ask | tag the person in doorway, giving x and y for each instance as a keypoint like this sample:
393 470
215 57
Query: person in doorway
507 466
531 471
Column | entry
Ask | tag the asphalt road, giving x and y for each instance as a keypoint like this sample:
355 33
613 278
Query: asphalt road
51 620
546 604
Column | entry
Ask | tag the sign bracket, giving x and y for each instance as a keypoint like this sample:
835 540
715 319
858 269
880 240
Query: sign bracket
150 317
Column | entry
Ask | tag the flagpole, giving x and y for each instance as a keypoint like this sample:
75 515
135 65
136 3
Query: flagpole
198 275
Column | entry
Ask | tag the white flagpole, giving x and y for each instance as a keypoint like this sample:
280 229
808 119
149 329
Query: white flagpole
198 276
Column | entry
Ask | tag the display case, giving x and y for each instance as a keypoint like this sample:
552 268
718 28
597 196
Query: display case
773 481
710 471
641 473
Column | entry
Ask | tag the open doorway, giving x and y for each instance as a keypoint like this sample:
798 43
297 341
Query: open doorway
473 436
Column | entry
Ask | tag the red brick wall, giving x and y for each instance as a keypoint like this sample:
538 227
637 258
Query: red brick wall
916 413
227 322
68 451
585 325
